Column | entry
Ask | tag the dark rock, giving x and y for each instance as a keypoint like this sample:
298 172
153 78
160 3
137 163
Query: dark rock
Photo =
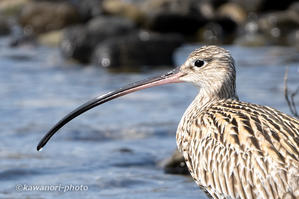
172 16
22 40
89 9
262 6
169 22
293 38
125 150
153 7
137 49
294 8
79 41
217 3
176 164
250 5
249 35
277 25
42 17
213 3
4 26
75 43
110 26
218 31
270 5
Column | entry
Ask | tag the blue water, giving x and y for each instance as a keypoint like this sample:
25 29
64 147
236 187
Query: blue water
113 151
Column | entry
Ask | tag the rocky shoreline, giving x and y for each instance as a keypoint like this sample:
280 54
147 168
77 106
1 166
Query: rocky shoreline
134 33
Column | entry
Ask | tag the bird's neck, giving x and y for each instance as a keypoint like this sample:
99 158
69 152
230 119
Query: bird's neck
203 100
206 97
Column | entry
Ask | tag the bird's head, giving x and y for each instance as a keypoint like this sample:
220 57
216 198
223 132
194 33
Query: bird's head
211 68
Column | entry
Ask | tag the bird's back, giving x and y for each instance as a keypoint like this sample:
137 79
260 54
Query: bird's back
241 150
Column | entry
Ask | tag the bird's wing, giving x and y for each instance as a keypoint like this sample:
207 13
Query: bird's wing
245 145
260 130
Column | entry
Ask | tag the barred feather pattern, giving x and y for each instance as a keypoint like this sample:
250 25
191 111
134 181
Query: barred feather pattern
240 150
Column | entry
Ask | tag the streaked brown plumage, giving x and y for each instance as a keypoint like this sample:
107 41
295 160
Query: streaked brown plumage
233 149
241 150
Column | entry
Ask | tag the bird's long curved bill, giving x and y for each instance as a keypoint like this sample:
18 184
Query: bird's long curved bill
170 77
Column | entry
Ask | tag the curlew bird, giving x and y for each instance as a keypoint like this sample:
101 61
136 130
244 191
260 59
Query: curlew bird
233 149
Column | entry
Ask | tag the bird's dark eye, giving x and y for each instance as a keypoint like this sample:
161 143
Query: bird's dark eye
199 63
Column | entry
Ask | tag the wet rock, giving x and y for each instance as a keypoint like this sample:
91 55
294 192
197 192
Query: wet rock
294 8
128 9
171 16
137 49
205 8
152 7
251 40
4 26
249 35
175 164
233 11
89 9
218 31
168 22
23 40
269 5
52 38
262 6
250 5
125 150
41 17
277 25
293 39
12 7
213 3
76 44
79 41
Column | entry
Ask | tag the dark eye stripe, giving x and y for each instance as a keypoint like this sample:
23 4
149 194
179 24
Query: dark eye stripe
199 63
